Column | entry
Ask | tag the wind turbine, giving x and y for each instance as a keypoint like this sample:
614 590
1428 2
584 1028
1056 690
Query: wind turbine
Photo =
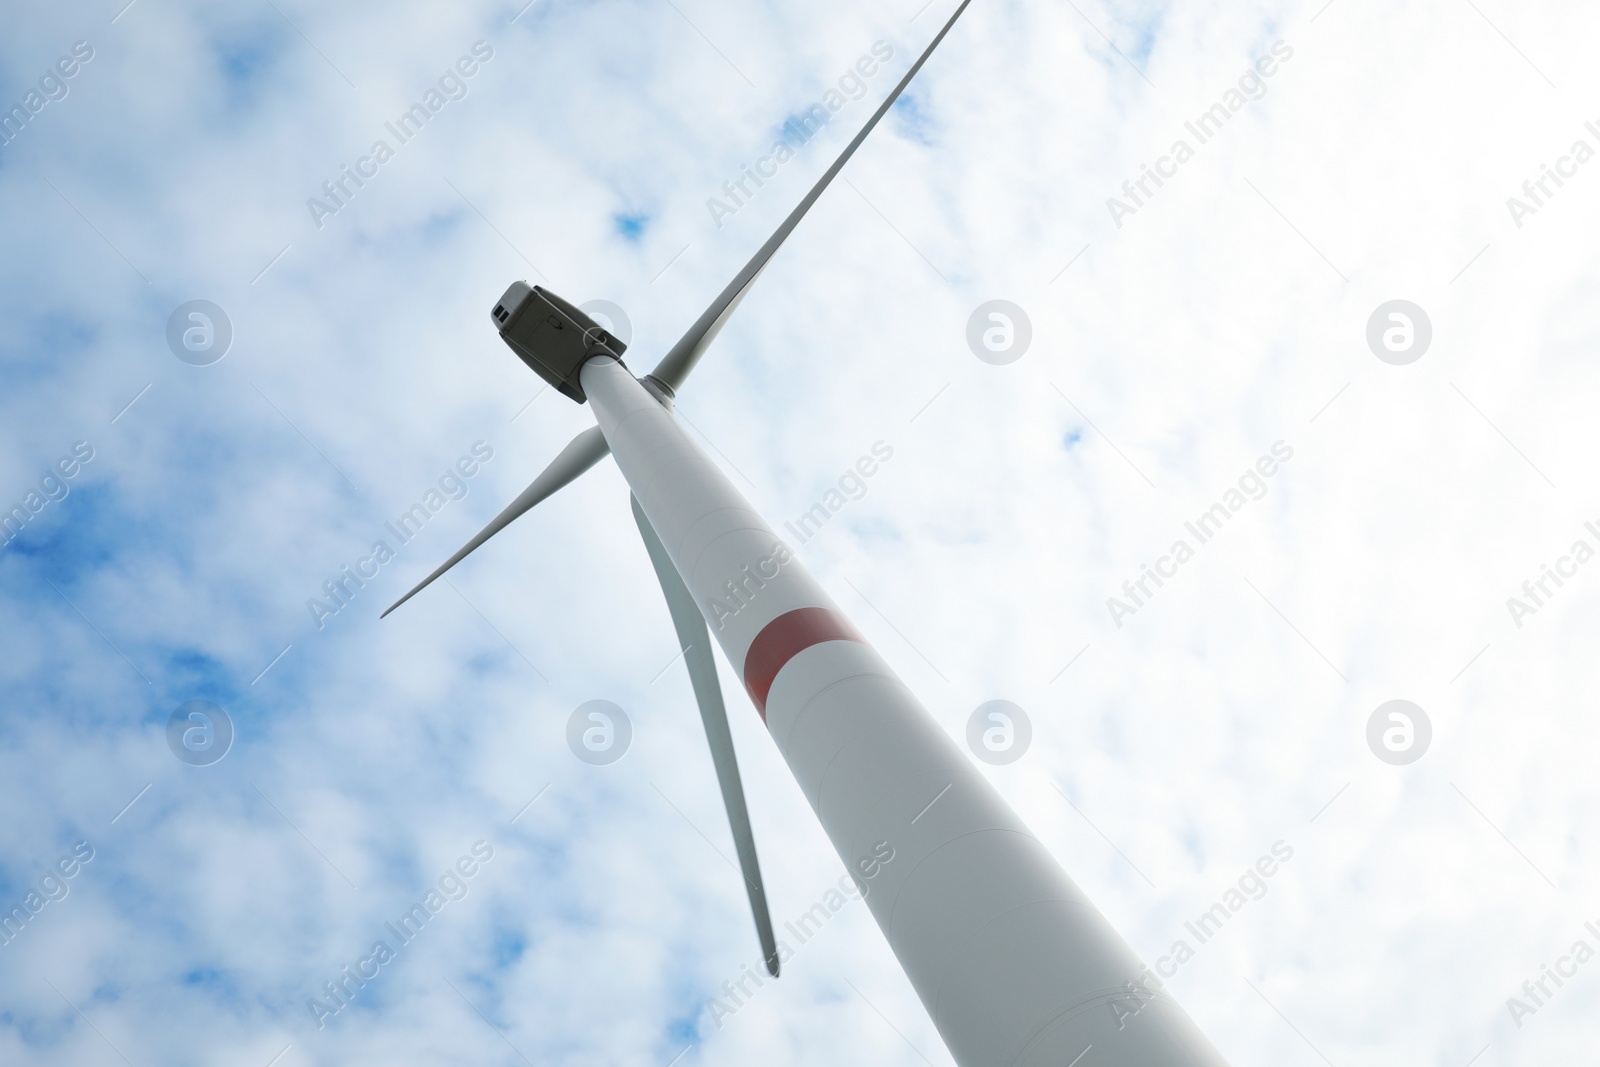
1011 960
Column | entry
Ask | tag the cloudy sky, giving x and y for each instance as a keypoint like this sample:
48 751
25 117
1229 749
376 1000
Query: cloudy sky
1177 336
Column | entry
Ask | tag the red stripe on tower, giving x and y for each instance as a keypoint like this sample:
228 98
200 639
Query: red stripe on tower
786 637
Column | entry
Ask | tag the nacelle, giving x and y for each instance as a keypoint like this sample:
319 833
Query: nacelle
551 336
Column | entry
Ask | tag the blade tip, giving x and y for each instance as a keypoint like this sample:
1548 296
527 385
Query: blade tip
402 600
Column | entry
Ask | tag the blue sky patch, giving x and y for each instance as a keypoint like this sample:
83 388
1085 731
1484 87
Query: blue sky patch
631 226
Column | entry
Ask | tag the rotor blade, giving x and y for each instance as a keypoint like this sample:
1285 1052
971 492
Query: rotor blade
584 451
676 365
696 643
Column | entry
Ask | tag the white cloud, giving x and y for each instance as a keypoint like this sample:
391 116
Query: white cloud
1220 318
